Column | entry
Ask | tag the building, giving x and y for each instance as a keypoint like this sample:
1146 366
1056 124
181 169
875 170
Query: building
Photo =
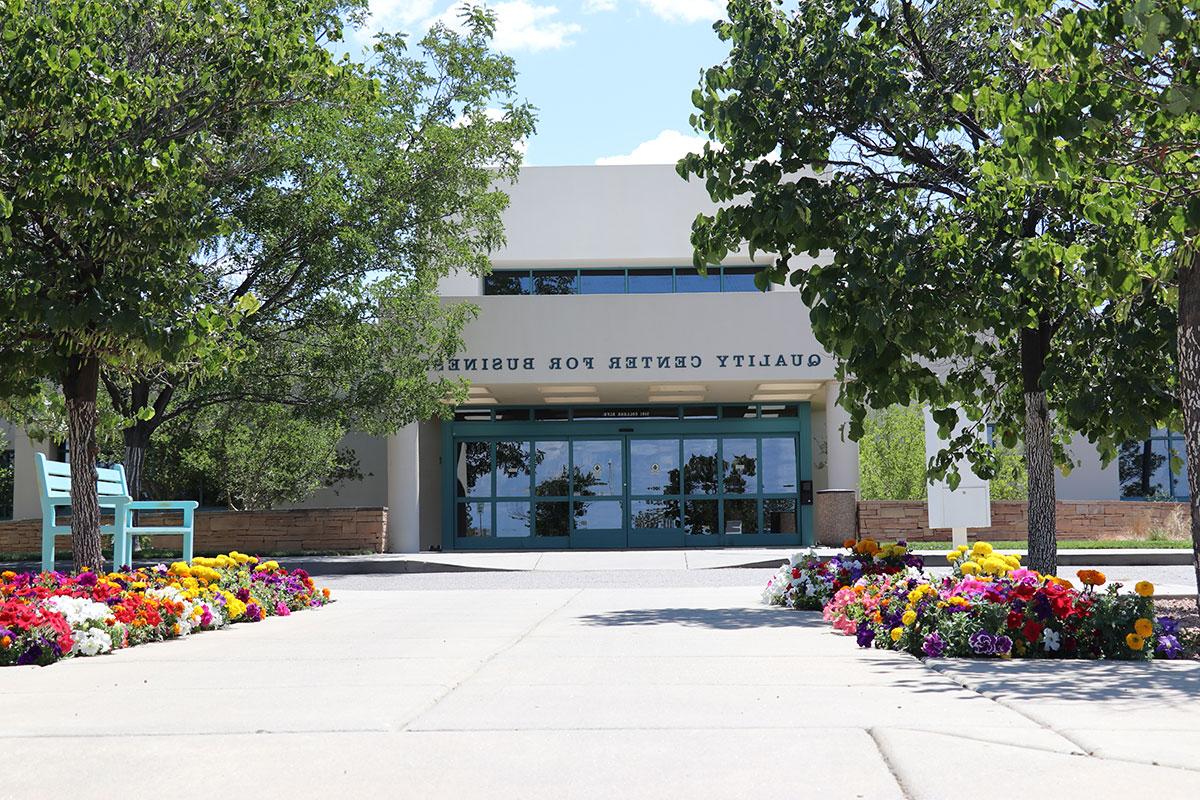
620 399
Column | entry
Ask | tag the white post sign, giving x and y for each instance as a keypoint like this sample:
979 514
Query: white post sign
968 506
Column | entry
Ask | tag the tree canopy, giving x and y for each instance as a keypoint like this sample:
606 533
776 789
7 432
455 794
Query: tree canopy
835 137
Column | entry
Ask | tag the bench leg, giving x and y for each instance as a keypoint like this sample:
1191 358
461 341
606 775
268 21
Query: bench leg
187 546
47 552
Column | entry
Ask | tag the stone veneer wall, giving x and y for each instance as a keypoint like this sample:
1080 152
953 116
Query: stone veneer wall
1076 519
340 530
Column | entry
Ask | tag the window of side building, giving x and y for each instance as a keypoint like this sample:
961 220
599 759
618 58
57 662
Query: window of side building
637 280
1154 468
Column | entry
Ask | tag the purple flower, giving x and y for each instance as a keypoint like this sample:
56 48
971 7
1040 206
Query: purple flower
1169 646
253 612
934 645
983 643
206 617
30 656
86 578
1168 624
865 635
1003 645
243 595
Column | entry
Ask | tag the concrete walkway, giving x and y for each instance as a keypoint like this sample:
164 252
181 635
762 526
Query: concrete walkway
584 693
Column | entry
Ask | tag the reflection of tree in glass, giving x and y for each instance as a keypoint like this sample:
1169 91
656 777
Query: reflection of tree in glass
660 514
479 465
554 283
1137 466
505 283
737 471
700 474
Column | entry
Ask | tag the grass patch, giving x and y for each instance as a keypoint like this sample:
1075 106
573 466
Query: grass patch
1074 544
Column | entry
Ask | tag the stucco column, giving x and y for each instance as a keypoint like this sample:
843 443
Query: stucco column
403 491
27 502
842 458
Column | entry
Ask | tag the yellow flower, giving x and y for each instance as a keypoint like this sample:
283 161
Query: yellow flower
909 617
897 633
1143 627
181 569
970 568
1134 641
8 575
1144 588
981 549
952 556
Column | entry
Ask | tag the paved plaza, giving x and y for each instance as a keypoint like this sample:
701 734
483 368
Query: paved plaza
587 691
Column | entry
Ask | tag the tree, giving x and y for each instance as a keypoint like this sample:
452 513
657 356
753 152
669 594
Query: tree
1109 119
369 199
121 121
833 131
891 455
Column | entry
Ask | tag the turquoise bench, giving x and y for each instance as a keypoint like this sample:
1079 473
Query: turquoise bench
54 481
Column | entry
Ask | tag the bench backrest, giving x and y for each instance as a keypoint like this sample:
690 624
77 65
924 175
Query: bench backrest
54 479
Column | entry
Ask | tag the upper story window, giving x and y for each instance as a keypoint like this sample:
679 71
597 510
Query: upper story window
1155 468
649 280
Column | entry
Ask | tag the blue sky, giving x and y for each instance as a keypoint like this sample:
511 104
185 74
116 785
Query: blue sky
611 79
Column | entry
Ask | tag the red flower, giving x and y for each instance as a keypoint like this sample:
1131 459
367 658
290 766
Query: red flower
1031 631
1015 618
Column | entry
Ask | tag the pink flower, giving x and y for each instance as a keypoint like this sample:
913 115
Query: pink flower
281 609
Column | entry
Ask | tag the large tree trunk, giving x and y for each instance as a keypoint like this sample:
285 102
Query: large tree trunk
137 440
79 389
1189 387
1039 452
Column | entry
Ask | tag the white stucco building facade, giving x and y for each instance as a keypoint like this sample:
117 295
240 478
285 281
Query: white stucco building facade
618 398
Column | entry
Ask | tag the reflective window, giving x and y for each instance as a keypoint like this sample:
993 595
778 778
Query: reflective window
507 282
651 281
512 469
689 280
654 466
779 515
602 281
550 469
474 469
700 473
654 513
741 516
700 517
474 519
599 467
779 465
740 465
599 515
1154 469
555 282
552 518
738 279
512 520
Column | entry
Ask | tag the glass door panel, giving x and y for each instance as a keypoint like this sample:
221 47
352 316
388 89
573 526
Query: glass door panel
655 492
739 458
598 493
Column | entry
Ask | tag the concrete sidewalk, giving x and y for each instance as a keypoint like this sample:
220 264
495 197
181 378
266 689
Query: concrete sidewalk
593 693
691 559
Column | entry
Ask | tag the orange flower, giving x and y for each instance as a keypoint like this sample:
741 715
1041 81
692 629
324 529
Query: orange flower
848 543
325 592
1134 642
1144 588
1091 577
1143 627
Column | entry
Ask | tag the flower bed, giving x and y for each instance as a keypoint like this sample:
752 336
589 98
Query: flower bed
52 615
809 582
989 606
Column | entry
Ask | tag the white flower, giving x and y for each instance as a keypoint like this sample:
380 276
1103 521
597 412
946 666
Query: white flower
91 641
1051 639
78 611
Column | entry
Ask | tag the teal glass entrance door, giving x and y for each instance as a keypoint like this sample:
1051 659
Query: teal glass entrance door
717 477
598 492
655 492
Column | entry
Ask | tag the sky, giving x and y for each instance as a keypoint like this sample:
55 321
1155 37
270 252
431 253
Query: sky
611 79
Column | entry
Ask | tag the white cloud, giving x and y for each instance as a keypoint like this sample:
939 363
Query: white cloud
687 10
597 6
666 148
521 25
